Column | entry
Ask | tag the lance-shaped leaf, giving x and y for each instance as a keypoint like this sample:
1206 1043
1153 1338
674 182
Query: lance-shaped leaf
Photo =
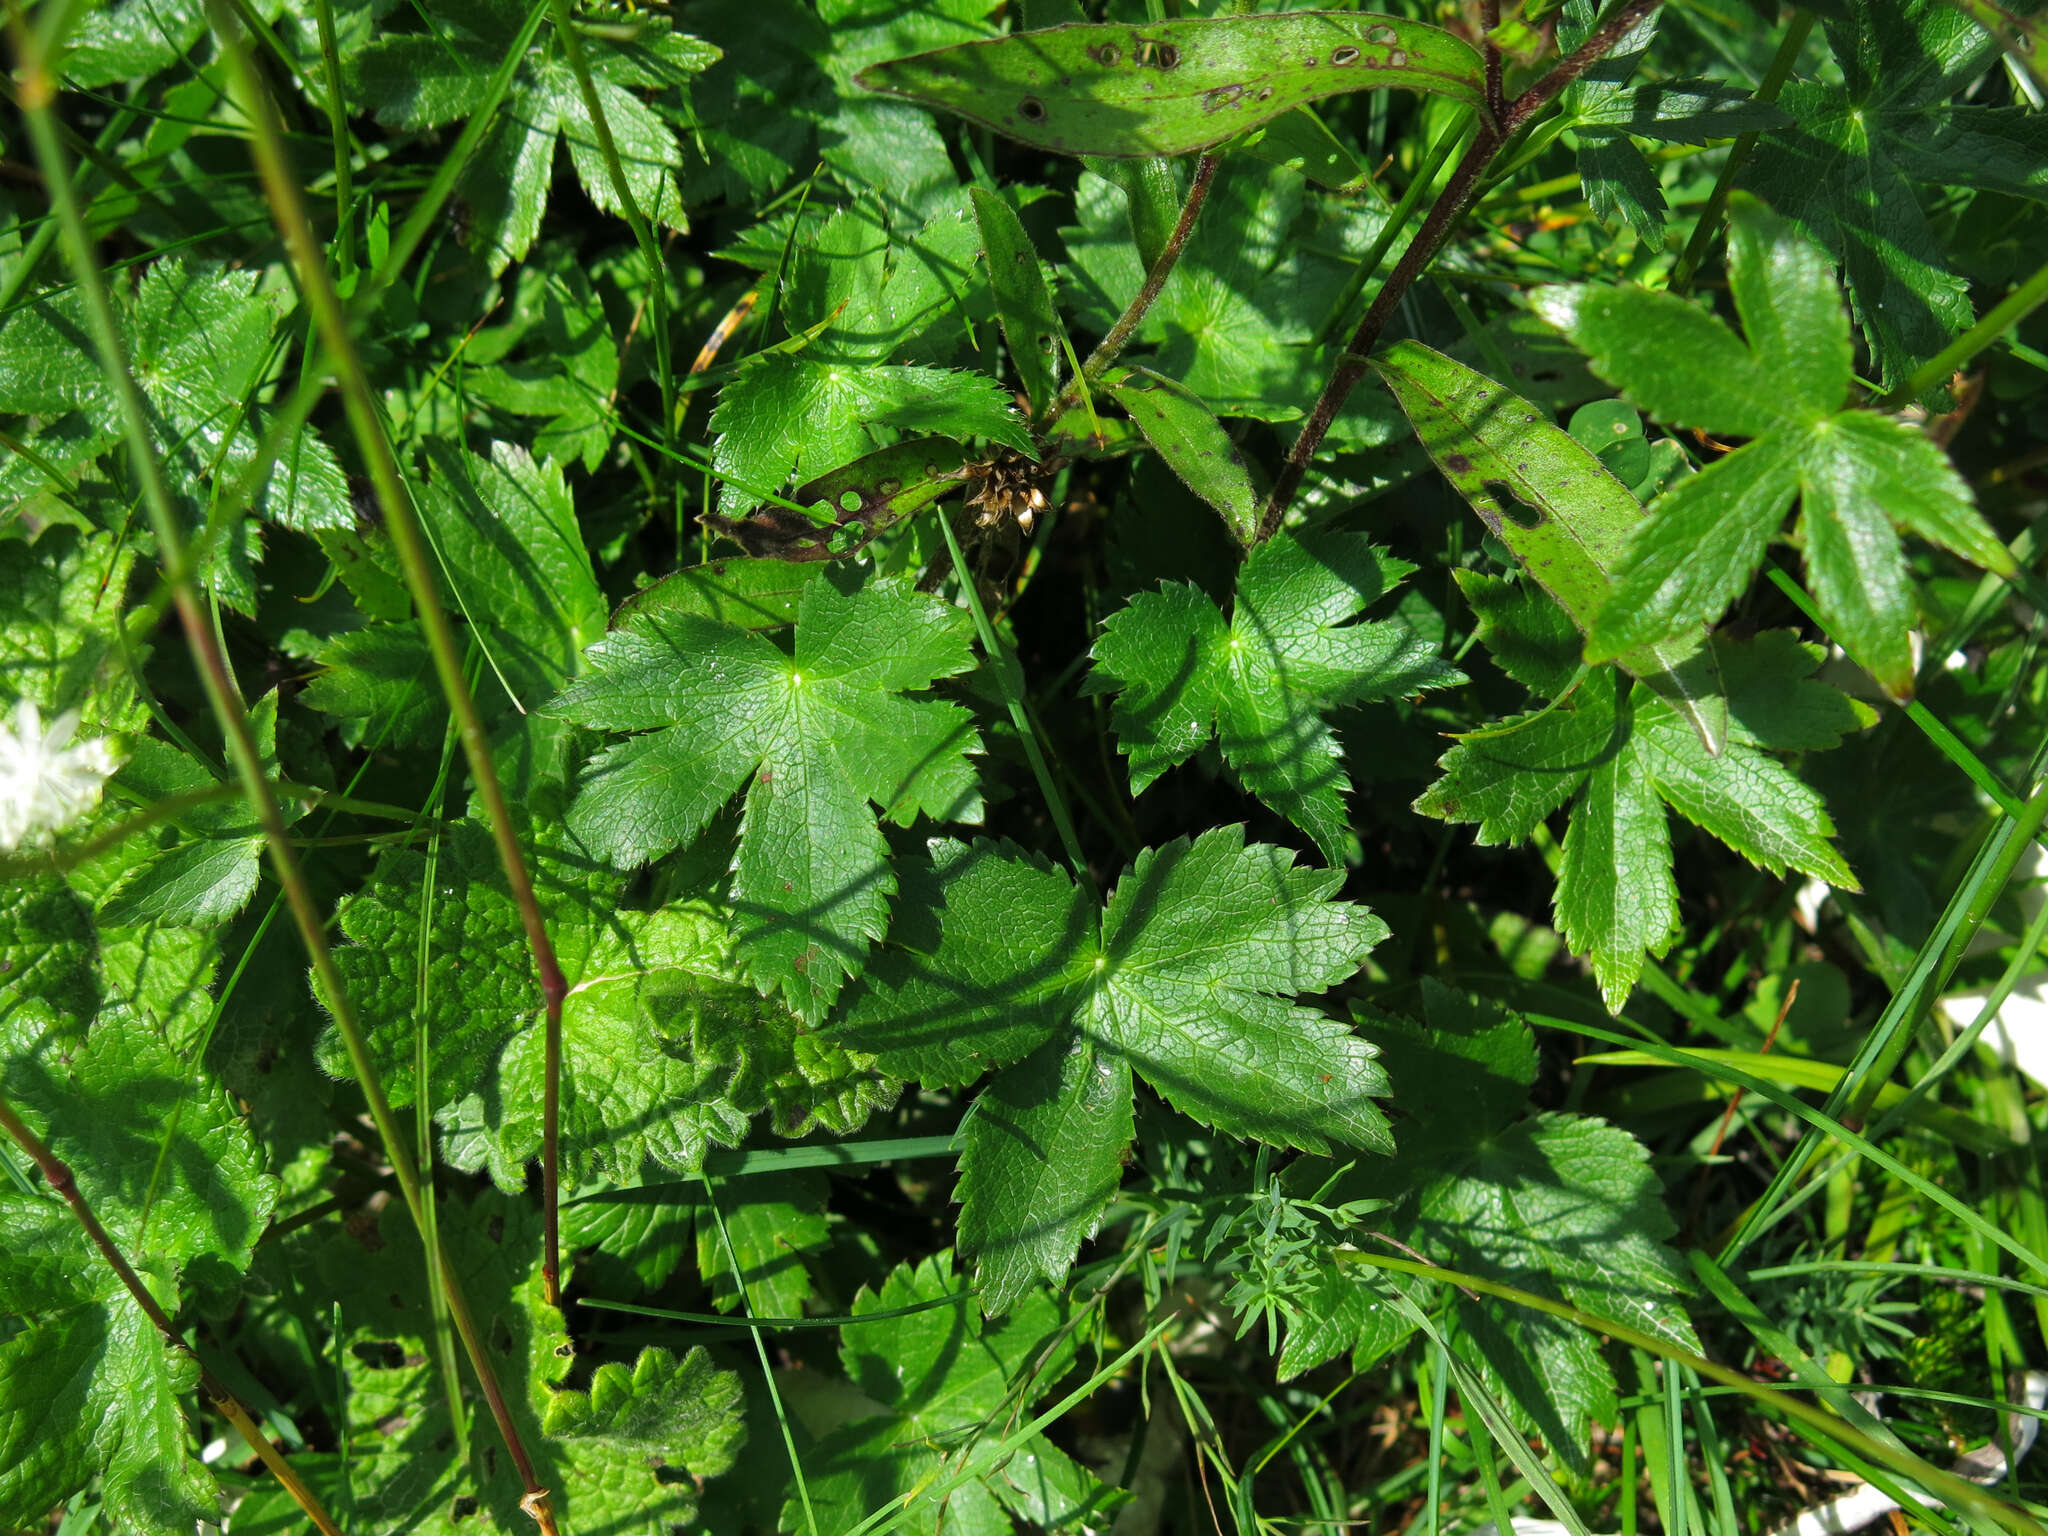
1176 86
815 734
1548 498
1184 980
1031 325
1262 680
1858 476
1188 436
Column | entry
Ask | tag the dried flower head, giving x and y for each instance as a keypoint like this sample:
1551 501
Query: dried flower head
1006 484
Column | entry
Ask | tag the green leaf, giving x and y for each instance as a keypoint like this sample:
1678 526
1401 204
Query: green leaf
1523 629
88 1387
1193 444
1262 681
1613 758
815 735
1177 86
1238 318
1549 498
845 510
1703 540
59 640
1857 474
627 1454
1845 174
513 560
1567 1207
201 343
782 414
780 1222
1185 984
1031 325
381 680
938 1389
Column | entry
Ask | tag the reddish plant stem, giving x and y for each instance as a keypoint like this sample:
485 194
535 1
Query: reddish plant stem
57 1174
1496 94
1450 205
1127 323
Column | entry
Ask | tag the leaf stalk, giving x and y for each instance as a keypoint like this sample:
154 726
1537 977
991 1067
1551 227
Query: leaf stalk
64 1184
1450 205
1127 323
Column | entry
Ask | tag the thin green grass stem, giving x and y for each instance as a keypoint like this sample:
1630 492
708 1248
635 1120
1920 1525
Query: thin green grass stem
1707 227
2000 318
409 544
1009 681
344 245
282 190
1821 1127
1947 1486
739 1280
643 232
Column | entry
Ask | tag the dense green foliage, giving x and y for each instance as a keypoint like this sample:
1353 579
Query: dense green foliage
958 939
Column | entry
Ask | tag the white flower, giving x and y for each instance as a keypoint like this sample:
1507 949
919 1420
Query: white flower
46 781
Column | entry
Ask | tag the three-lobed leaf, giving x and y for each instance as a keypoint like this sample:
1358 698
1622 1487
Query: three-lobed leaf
1260 682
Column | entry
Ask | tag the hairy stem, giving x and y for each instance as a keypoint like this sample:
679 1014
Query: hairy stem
57 1174
282 191
1127 323
1450 205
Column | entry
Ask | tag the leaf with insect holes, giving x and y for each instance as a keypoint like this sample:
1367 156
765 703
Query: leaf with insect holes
1618 755
816 735
999 961
1172 87
1860 478
1261 682
784 414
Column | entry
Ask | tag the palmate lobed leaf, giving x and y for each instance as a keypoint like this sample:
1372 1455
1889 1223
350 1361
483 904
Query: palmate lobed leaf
1184 979
1261 682
1845 174
1784 388
1618 759
816 736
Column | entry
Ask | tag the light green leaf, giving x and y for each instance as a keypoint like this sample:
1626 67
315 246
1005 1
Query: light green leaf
1175 86
1702 542
1616 900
